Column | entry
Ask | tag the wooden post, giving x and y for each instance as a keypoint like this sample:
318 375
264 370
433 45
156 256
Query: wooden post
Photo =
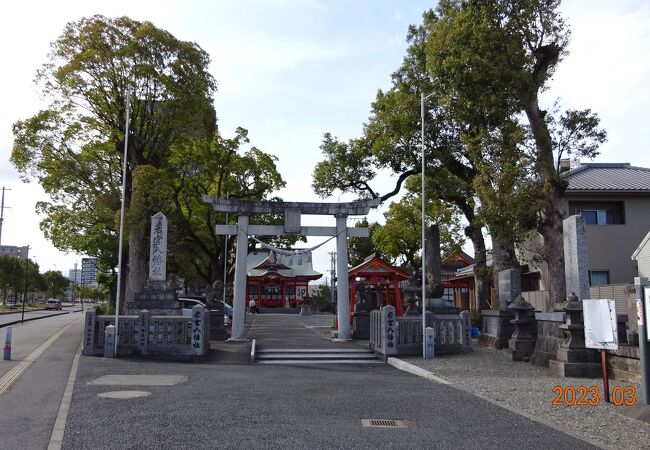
603 362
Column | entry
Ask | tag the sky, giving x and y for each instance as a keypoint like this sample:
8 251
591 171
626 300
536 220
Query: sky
291 70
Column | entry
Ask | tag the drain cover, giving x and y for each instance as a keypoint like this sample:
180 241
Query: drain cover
383 423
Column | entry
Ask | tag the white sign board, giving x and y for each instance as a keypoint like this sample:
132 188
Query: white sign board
647 312
600 324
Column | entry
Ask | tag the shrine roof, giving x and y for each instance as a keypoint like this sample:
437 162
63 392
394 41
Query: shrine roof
263 262
375 264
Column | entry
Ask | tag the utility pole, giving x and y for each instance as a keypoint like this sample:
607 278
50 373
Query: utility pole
332 276
2 211
22 317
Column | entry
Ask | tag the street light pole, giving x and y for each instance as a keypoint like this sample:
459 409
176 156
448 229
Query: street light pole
424 325
22 316
119 250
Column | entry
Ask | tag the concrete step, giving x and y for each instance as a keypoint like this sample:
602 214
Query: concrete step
321 356
313 350
315 355
315 361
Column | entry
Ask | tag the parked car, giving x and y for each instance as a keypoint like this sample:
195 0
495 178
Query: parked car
187 303
53 304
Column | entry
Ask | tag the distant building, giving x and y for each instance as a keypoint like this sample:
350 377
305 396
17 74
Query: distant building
89 272
12 250
74 275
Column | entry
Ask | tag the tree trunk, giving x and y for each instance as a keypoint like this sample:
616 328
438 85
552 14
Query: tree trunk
550 224
481 278
137 266
503 258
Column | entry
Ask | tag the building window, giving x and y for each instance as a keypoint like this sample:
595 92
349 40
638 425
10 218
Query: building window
599 213
598 277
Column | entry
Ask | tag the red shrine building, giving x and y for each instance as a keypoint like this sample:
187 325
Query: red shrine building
380 281
279 281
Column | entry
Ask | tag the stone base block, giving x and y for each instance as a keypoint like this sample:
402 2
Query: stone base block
584 370
520 349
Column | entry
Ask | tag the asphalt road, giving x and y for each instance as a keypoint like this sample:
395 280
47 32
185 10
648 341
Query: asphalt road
12 317
266 406
28 409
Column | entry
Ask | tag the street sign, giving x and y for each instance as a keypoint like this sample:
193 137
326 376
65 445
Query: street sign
600 324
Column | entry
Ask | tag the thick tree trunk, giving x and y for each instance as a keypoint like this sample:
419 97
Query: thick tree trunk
550 225
503 258
136 271
481 278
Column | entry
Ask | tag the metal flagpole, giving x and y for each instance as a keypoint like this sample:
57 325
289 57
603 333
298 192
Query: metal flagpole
424 325
119 256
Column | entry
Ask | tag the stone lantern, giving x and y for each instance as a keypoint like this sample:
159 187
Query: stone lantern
573 359
522 342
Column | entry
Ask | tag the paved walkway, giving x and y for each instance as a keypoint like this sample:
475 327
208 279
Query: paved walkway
295 331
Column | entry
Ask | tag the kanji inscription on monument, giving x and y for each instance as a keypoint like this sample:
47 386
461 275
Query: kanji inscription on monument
158 248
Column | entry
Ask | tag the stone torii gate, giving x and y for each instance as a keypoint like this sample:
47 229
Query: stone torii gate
292 212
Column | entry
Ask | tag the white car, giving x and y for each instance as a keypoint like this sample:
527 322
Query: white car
54 304
187 303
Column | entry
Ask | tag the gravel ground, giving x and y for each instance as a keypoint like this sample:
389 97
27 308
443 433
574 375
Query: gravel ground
522 386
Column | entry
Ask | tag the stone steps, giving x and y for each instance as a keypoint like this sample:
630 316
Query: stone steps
315 356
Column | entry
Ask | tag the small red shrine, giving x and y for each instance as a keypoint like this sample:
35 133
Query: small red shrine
381 281
279 281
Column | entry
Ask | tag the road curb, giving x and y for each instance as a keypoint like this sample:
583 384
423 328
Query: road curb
419 371
415 370
56 438
2 325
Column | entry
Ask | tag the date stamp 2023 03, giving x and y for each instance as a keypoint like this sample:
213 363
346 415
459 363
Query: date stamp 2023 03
590 395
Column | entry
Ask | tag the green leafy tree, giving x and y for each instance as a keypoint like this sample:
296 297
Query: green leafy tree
323 297
493 60
55 283
360 248
400 238
80 137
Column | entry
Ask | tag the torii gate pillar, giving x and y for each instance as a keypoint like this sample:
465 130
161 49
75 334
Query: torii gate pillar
342 293
239 290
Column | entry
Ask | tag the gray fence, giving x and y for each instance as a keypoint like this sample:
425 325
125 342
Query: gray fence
146 334
451 332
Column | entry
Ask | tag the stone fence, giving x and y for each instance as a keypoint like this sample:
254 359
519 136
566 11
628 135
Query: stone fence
402 336
146 334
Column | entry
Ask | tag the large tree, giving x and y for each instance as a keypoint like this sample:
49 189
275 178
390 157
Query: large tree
493 60
80 136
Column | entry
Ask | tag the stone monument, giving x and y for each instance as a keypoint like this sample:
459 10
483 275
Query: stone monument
158 295
433 285
576 271
509 287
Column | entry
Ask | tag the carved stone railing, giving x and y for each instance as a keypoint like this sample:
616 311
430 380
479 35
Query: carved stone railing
451 332
146 334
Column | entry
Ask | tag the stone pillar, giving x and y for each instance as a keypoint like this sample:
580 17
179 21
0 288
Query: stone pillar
342 291
239 301
143 331
430 342
509 287
89 332
576 271
200 327
522 342
109 341
466 320
388 331
573 359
